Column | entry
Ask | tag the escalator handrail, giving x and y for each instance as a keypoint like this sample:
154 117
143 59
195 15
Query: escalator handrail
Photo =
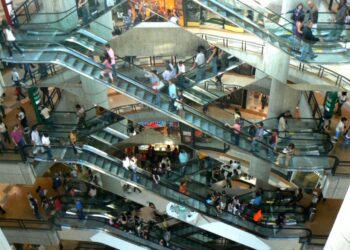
103 154
149 90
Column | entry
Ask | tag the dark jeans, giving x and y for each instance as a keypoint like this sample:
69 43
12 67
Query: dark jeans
2 111
13 44
235 138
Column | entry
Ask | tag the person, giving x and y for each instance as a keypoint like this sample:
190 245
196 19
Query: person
42 193
297 12
27 71
346 142
172 95
281 217
107 62
35 207
111 55
308 39
2 109
10 39
174 18
251 132
181 70
213 58
282 125
169 73
236 129
257 200
83 5
156 84
56 182
73 140
287 153
272 144
81 116
92 193
339 129
126 162
312 13
45 113
258 216
183 159
258 137
80 209
155 174
46 95
18 140
45 139
36 141
341 13
21 116
228 172
133 169
15 77
183 187
2 211
263 102
298 32
199 64
179 103
341 100
4 131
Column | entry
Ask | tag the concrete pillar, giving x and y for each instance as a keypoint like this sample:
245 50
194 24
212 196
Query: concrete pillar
259 169
339 237
61 7
4 244
282 98
103 26
275 63
93 93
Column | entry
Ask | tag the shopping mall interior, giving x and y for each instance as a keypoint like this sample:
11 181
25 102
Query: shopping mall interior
174 124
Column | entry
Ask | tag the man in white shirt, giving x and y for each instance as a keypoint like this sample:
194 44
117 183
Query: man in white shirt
199 63
36 141
45 140
173 95
15 77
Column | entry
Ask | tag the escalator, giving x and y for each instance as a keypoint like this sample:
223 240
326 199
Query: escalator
108 165
243 13
130 85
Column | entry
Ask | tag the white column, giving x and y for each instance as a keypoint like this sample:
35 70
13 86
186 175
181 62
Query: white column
339 237
4 244
103 26
93 93
282 98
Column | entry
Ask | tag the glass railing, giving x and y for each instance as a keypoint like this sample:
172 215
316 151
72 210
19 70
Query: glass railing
57 20
266 24
113 166
318 71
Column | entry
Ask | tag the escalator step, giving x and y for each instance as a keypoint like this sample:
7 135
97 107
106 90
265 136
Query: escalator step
140 93
148 97
189 117
132 89
62 57
211 128
107 166
114 170
71 61
79 65
96 73
220 132
88 69
123 85
197 121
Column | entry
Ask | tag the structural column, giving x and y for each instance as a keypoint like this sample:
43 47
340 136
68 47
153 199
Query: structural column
64 9
103 26
93 93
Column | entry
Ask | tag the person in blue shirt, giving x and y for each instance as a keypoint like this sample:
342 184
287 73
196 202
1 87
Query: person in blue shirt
183 159
257 200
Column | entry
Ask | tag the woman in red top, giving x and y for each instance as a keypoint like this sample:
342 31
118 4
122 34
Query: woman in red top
236 129
183 187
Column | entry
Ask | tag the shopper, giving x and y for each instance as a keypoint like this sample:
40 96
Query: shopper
47 145
213 58
107 62
35 207
257 139
199 64
155 174
22 118
339 129
15 77
81 116
341 13
272 144
172 95
83 5
287 153
341 100
18 140
183 159
10 39
73 140
27 71
308 40
36 141
157 85
80 209
2 108
183 187
111 55
4 131
236 130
